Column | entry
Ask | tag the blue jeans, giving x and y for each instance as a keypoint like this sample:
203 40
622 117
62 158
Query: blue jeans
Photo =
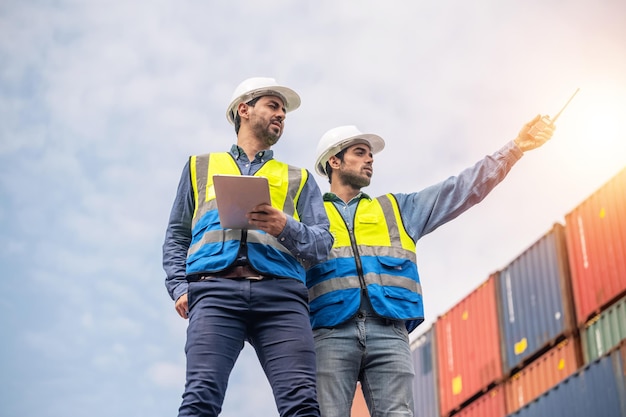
273 316
369 349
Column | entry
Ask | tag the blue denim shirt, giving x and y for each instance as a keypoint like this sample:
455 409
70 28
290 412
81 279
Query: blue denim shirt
307 239
424 211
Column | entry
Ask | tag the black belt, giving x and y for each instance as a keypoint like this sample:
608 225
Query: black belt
235 272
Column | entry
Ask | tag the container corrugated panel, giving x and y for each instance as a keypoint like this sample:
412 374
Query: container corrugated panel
535 300
596 390
604 331
596 244
490 404
425 382
541 374
359 406
467 343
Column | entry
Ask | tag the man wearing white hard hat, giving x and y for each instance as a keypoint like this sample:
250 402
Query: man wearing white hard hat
238 285
366 297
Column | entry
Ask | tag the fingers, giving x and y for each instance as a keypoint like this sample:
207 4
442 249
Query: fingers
270 220
182 306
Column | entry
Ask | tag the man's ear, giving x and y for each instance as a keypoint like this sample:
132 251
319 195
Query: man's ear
334 162
243 109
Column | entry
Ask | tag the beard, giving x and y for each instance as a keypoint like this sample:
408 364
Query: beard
354 180
266 132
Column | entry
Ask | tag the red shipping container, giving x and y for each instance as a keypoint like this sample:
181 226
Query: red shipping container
596 246
359 406
490 404
468 348
542 374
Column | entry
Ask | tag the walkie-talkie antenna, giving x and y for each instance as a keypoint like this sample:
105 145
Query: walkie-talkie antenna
566 104
546 121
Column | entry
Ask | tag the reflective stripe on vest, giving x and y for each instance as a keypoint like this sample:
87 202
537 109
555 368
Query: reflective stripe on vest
386 254
213 248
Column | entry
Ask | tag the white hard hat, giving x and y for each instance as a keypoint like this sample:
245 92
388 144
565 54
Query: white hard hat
257 87
338 139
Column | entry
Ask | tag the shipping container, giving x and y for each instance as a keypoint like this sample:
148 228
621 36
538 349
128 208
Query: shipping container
467 343
595 390
425 382
596 244
604 331
359 406
535 300
541 374
490 404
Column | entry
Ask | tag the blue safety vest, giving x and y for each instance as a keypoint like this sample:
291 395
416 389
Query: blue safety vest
214 249
377 256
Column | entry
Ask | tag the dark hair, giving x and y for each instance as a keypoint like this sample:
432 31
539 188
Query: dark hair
237 119
329 171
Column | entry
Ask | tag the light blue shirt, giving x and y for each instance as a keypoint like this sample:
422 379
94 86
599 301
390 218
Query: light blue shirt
424 211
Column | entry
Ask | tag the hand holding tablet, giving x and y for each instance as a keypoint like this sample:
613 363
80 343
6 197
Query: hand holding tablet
236 196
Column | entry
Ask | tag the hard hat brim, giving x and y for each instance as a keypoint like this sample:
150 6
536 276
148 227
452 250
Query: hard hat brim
290 99
375 142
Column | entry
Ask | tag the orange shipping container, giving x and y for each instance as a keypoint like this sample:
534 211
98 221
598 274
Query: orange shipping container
468 348
359 407
490 404
541 374
596 245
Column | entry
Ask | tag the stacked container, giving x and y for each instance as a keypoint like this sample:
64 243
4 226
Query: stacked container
490 404
541 374
467 342
359 406
425 382
597 389
534 300
604 331
596 241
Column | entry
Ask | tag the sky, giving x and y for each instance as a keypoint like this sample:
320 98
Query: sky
102 102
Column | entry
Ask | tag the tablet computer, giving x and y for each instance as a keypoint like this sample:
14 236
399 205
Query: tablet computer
236 195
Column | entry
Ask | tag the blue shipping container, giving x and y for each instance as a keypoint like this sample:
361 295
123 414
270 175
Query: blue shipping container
425 382
596 390
535 300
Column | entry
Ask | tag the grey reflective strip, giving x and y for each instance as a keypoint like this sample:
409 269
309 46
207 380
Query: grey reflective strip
295 178
202 172
333 284
394 252
214 236
390 216
352 282
393 281
266 239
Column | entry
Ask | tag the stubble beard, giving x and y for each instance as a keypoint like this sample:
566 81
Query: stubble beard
354 180
266 133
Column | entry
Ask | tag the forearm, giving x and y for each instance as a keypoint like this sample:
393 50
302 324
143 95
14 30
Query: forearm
174 262
178 238
436 205
308 239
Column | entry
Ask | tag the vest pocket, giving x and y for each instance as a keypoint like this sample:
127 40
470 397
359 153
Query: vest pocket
388 264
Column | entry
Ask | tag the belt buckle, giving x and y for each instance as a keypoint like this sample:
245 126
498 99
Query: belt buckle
255 278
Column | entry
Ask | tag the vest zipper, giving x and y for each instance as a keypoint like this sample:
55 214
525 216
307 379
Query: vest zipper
355 250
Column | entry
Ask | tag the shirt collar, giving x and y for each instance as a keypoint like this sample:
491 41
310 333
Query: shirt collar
261 156
333 197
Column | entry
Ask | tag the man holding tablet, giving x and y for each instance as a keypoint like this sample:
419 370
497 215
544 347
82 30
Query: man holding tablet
237 285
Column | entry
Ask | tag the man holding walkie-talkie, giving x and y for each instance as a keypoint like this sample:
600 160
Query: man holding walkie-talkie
366 297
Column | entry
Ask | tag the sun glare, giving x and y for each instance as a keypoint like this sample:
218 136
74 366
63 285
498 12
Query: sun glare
595 122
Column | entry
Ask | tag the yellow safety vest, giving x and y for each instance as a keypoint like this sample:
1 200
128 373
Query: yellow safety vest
378 255
214 249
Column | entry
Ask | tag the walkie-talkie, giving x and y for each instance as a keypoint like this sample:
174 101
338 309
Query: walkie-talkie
546 121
